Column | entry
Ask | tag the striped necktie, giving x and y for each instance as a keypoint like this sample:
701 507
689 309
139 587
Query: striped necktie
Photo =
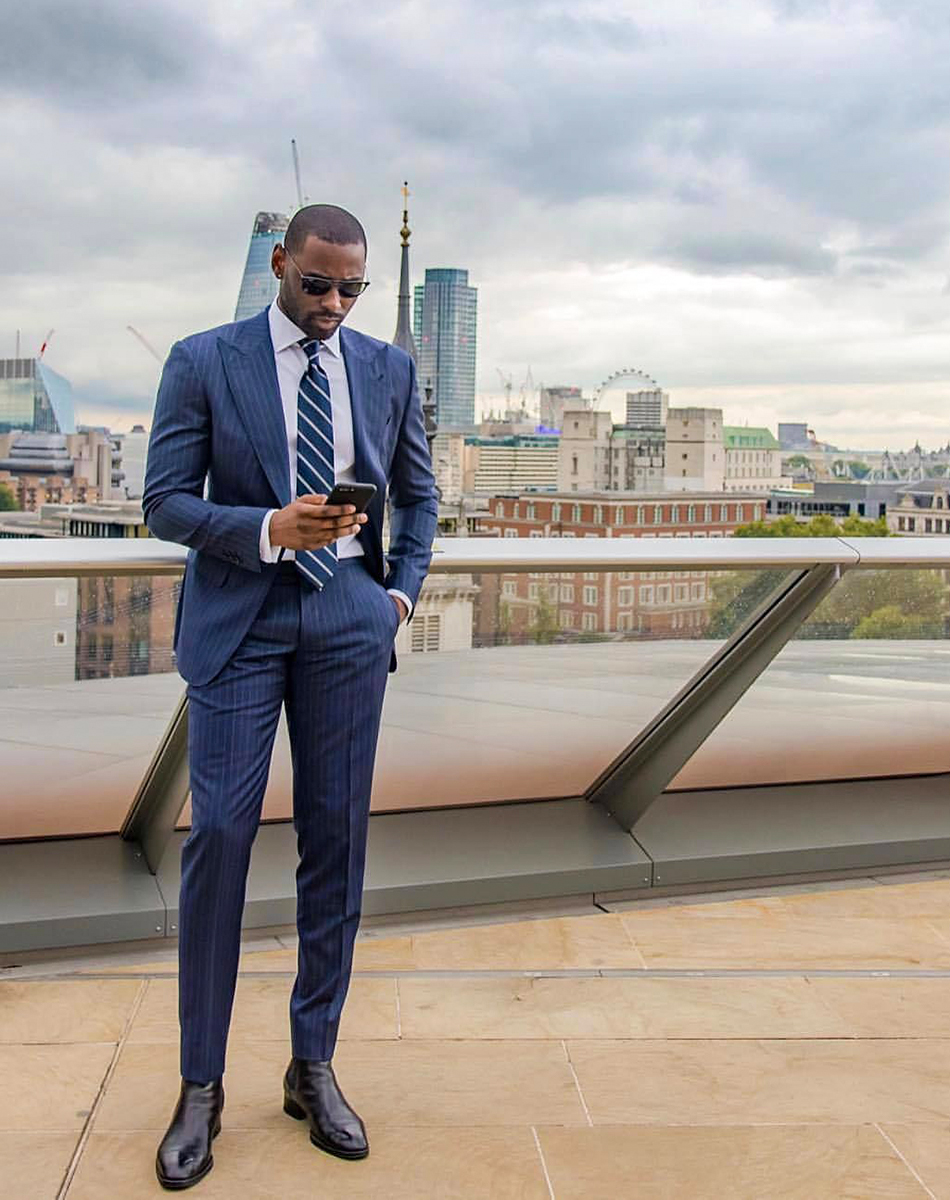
315 456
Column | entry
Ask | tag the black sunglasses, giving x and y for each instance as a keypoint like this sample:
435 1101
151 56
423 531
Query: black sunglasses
319 285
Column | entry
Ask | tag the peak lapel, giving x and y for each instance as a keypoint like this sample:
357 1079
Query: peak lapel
252 377
364 374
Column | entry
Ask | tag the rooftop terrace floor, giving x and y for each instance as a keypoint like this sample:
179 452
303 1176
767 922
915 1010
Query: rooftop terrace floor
784 1042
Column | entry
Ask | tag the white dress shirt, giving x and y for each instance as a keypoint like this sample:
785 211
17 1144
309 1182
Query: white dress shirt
292 363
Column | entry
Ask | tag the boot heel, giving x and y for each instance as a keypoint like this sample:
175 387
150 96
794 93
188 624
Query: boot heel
292 1109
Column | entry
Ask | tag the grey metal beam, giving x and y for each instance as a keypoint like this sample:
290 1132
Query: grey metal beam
162 793
640 774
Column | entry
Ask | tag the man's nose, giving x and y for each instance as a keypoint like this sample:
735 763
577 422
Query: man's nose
333 301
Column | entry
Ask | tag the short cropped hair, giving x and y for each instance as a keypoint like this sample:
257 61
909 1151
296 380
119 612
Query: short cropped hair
328 222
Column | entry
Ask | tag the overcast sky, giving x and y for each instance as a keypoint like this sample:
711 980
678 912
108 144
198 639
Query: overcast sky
748 200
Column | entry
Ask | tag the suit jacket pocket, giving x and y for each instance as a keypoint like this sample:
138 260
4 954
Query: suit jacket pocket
212 570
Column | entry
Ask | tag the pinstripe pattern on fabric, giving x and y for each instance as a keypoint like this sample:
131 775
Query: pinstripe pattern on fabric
306 650
315 473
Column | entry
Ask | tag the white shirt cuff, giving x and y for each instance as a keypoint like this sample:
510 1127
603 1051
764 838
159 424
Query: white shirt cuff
268 552
404 598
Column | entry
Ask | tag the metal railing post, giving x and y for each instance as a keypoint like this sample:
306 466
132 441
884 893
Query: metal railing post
639 775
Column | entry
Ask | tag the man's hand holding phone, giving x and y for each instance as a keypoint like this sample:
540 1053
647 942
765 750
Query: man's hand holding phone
311 522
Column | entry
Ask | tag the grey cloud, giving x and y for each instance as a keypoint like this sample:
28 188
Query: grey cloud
99 51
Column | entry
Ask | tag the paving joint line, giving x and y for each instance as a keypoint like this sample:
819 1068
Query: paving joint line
86 1131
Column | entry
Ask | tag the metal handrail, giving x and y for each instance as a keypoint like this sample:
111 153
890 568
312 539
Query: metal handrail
36 558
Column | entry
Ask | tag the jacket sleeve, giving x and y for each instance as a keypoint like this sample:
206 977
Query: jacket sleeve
413 501
179 455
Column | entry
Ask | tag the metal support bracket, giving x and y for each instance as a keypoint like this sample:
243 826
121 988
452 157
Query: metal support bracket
163 792
641 773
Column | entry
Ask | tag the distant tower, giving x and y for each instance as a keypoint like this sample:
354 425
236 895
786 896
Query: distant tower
259 284
403 336
445 321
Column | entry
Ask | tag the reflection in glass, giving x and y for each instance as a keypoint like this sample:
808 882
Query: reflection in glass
88 686
861 691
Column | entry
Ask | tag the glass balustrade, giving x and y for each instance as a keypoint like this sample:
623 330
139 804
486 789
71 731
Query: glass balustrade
861 691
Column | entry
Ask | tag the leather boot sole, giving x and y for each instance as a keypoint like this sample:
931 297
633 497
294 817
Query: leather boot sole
179 1185
293 1109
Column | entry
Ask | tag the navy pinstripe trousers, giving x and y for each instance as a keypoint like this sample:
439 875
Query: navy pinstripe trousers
325 655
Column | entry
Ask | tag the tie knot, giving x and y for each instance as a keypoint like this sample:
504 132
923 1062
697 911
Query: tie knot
310 347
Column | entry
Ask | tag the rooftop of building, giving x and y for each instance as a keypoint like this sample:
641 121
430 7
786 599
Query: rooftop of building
743 437
627 497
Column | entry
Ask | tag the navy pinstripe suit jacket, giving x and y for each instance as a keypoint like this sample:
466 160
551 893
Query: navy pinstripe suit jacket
218 417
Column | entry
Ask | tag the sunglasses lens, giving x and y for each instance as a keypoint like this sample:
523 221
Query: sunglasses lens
351 290
313 286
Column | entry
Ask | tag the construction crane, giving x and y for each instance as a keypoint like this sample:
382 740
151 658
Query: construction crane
147 344
46 342
507 384
301 198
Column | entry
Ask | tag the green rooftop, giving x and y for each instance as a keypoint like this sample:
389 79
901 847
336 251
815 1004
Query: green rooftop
745 437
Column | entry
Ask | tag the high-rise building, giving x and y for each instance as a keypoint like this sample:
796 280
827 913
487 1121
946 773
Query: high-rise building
34 398
259 284
445 313
133 447
647 409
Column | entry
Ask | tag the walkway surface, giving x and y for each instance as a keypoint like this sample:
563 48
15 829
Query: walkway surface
793 1042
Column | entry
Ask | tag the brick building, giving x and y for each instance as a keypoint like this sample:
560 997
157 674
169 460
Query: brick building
541 606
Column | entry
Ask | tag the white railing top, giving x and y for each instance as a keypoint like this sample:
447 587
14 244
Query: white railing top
64 557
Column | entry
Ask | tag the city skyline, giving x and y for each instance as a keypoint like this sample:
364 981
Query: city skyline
765 230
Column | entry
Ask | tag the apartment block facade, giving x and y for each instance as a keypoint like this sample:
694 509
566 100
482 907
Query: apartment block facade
635 603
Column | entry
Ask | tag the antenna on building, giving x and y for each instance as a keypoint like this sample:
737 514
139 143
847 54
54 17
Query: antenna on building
17 355
301 198
46 342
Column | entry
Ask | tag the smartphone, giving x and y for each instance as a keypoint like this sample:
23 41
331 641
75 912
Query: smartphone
359 494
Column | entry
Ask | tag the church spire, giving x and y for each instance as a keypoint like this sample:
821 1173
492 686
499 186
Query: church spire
403 336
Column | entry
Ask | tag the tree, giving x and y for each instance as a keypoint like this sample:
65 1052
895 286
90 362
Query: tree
7 499
859 470
544 626
891 622
799 461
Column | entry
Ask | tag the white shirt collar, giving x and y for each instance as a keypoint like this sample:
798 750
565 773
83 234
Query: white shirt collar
284 333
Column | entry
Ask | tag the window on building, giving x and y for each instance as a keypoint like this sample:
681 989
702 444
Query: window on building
567 593
928 525
740 513
900 523
499 508
639 517
663 593
565 618
624 622
551 591
657 514
515 509
426 632
646 594
575 513
598 514
509 587
691 513
619 516
590 594
723 512
511 533
555 512
532 591
573 464
531 512
680 591
698 591
625 596
589 621
707 513
675 514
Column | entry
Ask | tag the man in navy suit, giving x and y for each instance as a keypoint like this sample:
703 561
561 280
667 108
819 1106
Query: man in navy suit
287 601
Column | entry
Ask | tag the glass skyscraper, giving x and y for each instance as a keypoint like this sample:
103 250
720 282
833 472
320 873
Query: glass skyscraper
259 285
445 312
34 398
